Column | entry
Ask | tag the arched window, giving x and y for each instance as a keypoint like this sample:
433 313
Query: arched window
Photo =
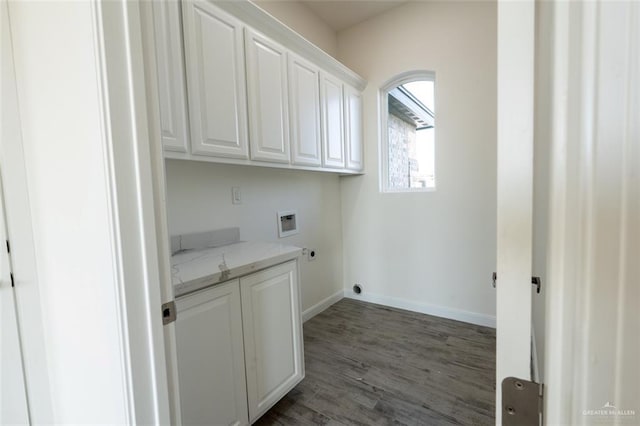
407 147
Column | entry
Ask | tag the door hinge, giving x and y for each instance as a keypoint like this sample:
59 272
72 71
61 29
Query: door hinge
168 312
534 281
13 284
8 247
522 402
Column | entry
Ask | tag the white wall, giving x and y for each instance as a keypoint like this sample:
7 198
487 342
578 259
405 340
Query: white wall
430 249
199 199
301 19
58 93
87 199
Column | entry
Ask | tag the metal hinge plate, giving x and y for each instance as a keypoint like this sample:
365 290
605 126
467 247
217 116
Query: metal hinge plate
168 312
521 402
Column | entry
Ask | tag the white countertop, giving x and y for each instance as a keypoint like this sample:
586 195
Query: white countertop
192 270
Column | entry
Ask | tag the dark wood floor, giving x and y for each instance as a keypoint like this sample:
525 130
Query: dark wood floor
368 364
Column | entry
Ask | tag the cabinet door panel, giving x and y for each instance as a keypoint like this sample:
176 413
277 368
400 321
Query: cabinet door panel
304 107
332 122
353 131
272 335
268 99
211 357
170 75
215 81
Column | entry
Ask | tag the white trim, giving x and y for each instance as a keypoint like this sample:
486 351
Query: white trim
120 77
172 155
253 16
117 246
534 356
160 196
595 90
425 308
322 305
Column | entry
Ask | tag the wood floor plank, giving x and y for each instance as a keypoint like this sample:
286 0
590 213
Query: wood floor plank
368 364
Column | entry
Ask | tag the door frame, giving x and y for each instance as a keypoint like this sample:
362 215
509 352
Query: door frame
129 144
159 190
595 65
128 191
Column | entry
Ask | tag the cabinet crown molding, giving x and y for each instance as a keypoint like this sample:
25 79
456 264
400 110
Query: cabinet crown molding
271 27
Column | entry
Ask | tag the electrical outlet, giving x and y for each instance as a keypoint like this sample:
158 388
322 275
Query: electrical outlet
312 254
236 197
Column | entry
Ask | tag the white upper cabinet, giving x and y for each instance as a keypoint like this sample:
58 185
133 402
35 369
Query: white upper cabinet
211 357
304 112
332 121
268 98
272 335
353 128
216 84
170 75
235 86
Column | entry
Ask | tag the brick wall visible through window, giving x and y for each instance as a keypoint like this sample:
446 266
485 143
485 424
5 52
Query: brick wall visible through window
402 137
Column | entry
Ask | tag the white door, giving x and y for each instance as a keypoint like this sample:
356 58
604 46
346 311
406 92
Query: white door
272 335
592 334
268 99
304 109
354 148
332 121
20 305
216 85
515 193
211 357
169 72
13 396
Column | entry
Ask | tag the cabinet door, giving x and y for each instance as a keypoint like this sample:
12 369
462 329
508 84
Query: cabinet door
332 122
353 128
304 112
216 85
211 357
272 335
268 99
170 75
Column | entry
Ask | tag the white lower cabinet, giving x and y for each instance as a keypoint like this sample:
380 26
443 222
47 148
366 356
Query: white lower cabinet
239 347
211 357
272 335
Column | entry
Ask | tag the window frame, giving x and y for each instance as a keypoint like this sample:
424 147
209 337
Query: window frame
383 144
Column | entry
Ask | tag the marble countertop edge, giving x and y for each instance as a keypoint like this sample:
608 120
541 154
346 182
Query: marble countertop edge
199 269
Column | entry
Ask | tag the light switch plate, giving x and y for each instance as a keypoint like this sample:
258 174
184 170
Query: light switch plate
236 197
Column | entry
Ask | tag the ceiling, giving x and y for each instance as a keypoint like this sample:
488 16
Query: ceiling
341 14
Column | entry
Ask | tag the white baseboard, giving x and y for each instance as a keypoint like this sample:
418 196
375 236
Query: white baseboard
311 312
425 308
